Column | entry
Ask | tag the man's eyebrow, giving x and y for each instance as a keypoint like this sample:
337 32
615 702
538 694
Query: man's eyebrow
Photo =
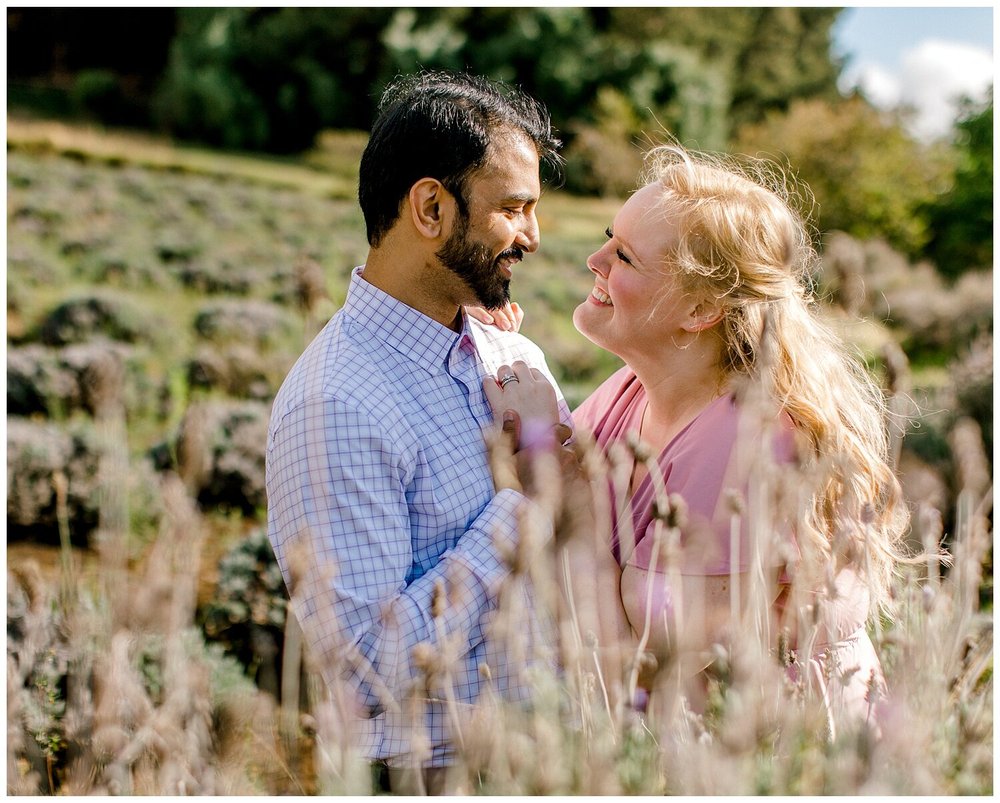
521 198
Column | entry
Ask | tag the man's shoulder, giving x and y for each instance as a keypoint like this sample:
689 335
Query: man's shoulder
339 364
504 346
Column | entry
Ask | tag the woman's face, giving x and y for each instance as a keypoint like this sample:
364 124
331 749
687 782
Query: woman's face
636 305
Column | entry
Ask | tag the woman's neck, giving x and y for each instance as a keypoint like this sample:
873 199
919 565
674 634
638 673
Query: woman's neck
678 387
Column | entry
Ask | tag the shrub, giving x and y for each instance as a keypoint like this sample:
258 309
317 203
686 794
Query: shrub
116 692
83 376
98 94
869 177
38 505
238 370
246 614
259 323
79 319
36 453
604 158
220 453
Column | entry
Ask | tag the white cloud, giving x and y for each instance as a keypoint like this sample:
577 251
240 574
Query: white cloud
931 78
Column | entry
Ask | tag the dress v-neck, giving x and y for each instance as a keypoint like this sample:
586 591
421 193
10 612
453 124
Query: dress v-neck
641 407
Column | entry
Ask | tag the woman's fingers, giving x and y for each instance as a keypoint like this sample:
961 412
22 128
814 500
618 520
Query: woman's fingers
516 315
481 314
506 318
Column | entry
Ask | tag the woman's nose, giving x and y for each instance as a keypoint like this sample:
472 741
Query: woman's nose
598 263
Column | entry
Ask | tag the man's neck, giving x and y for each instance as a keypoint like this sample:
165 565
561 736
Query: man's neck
416 285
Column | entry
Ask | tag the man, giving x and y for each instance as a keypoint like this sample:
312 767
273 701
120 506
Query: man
376 461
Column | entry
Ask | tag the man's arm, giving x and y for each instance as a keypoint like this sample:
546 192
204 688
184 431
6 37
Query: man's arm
339 522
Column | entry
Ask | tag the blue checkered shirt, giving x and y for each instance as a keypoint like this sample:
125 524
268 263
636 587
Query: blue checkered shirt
378 489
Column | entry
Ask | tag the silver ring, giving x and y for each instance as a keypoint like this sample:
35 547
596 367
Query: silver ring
507 380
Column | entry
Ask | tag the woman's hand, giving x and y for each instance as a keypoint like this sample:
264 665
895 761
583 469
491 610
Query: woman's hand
508 318
525 391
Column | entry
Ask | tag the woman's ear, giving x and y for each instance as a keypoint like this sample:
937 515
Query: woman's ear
430 205
705 315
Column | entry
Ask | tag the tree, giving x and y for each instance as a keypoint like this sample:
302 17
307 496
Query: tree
961 219
271 78
869 178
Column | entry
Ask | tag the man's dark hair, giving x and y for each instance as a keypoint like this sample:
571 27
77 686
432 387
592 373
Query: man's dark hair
440 125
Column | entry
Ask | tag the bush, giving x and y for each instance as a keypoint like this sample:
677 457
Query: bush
83 376
246 614
869 178
238 370
98 94
121 695
258 323
604 158
270 79
38 504
961 219
220 453
36 453
79 319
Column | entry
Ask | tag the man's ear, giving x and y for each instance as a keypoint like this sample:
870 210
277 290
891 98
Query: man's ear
704 315
430 207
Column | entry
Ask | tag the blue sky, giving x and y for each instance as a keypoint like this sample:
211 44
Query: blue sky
917 57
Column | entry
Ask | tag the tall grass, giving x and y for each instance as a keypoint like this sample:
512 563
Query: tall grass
111 689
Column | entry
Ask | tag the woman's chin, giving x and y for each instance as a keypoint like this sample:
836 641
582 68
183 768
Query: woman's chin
587 328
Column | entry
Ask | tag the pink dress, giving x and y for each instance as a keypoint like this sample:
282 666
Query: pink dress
702 464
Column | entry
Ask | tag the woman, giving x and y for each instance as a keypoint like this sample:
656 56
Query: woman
735 386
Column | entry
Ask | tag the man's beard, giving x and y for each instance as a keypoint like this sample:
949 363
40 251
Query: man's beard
474 263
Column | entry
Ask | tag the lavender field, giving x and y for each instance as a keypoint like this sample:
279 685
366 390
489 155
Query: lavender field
156 297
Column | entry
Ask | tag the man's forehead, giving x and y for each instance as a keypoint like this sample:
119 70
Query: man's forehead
514 164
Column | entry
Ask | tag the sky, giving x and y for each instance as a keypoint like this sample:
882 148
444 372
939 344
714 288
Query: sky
919 57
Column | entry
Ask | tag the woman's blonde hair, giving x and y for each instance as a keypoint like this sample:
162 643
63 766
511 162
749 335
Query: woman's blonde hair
742 242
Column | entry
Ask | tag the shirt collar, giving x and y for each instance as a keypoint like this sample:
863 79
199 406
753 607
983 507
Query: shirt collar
399 326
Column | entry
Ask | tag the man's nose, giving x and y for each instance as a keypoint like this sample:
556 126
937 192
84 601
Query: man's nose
528 237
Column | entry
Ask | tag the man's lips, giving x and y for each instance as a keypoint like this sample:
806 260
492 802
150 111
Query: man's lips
507 260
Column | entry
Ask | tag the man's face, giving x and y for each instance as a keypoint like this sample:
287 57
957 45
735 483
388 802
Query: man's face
500 226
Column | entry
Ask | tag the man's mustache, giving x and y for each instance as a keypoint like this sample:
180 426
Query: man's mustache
511 253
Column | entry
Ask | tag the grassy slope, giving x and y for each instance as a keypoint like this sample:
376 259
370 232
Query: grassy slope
282 210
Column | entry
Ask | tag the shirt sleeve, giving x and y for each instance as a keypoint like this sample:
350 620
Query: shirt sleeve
338 520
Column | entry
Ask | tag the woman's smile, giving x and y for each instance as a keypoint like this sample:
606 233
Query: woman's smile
601 297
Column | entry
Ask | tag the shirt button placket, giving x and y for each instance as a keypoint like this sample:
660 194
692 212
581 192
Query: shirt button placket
464 367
